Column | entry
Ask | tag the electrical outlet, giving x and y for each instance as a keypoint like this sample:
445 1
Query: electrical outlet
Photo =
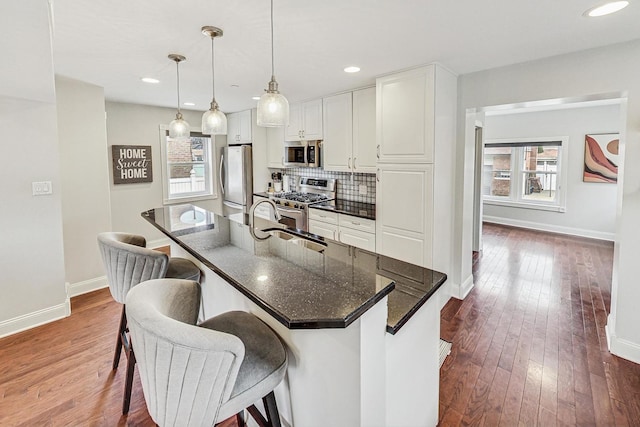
41 188
362 190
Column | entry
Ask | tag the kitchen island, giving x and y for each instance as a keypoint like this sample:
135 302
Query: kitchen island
362 329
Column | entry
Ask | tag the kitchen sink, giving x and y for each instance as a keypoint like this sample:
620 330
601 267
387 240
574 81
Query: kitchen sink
297 239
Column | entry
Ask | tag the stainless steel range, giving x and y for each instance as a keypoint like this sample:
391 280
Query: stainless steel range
293 206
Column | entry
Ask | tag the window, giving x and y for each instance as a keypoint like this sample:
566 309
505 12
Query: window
188 170
524 173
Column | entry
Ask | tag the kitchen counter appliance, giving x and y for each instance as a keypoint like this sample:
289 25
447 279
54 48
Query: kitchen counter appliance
305 154
293 206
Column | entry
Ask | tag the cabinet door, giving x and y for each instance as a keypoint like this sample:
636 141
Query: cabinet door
364 131
405 116
323 229
244 126
338 133
275 147
233 128
312 120
294 128
404 212
357 238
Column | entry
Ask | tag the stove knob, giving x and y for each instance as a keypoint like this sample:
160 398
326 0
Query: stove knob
295 205
286 203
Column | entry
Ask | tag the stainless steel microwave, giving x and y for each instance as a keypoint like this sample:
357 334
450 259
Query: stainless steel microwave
306 154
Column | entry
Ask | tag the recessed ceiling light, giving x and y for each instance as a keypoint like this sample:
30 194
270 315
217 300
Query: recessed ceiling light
262 278
150 80
189 104
256 98
606 9
352 69
234 85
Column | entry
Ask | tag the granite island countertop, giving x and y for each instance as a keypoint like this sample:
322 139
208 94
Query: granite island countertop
303 281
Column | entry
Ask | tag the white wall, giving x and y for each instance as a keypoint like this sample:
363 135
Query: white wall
590 207
86 208
31 243
133 124
610 70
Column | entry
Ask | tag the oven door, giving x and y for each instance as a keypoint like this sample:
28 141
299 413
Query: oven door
294 218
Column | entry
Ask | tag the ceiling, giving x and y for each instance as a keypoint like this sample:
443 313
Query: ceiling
113 43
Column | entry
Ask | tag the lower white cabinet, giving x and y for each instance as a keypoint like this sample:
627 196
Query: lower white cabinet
351 230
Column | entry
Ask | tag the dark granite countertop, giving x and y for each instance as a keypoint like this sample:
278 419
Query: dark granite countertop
349 207
304 282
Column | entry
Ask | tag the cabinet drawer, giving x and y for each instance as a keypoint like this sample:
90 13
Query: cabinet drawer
323 229
324 216
357 238
357 223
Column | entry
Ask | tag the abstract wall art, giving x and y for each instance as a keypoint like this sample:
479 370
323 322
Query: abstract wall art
601 157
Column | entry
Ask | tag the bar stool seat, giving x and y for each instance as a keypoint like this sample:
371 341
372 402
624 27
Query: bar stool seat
128 262
200 375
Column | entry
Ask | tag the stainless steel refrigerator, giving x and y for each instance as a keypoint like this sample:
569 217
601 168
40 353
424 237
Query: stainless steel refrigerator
236 177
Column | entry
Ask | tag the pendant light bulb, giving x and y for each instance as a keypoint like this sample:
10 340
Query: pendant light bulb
214 122
273 107
178 128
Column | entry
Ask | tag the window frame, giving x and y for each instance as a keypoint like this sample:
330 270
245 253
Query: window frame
517 173
168 199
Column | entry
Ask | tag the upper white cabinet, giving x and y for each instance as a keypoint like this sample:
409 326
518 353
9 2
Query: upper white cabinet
275 147
305 121
415 123
405 116
364 130
349 132
239 127
338 133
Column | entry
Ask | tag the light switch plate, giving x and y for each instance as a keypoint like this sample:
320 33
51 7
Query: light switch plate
41 188
362 190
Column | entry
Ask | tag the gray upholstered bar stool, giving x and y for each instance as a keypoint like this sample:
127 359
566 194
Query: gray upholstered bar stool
128 262
200 375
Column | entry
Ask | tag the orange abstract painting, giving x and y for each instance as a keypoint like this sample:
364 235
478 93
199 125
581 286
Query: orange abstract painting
601 157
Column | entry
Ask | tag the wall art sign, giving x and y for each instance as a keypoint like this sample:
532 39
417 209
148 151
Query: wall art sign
131 164
601 157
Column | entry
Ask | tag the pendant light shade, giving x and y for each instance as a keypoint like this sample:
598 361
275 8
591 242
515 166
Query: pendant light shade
214 122
178 128
273 107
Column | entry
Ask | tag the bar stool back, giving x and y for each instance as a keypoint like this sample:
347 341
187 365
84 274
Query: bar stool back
128 262
201 375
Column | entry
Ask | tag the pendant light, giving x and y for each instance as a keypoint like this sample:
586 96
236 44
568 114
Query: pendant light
178 128
214 122
273 108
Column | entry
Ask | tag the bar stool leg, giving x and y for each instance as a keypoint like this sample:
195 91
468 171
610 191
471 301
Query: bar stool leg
121 329
131 364
270 406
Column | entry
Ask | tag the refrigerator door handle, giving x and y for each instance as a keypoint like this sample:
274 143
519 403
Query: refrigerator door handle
220 172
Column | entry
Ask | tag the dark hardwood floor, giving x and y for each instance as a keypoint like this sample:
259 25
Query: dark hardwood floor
528 348
529 345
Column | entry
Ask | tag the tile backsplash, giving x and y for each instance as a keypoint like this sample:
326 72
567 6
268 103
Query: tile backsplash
349 186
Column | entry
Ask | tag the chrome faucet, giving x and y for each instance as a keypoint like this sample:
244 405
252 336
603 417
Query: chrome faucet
252 212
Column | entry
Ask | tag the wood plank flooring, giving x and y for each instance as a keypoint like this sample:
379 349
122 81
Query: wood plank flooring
529 346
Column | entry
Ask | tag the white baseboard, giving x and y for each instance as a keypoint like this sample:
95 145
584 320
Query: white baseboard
159 243
79 288
37 318
466 287
620 347
581 232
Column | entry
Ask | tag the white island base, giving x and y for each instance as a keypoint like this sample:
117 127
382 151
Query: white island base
357 376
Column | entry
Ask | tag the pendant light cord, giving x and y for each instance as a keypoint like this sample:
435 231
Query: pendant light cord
213 71
273 73
178 83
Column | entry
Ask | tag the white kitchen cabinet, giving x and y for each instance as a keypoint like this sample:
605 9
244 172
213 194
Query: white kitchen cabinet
405 116
404 202
348 229
275 147
416 112
337 146
239 127
305 121
349 143
364 130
